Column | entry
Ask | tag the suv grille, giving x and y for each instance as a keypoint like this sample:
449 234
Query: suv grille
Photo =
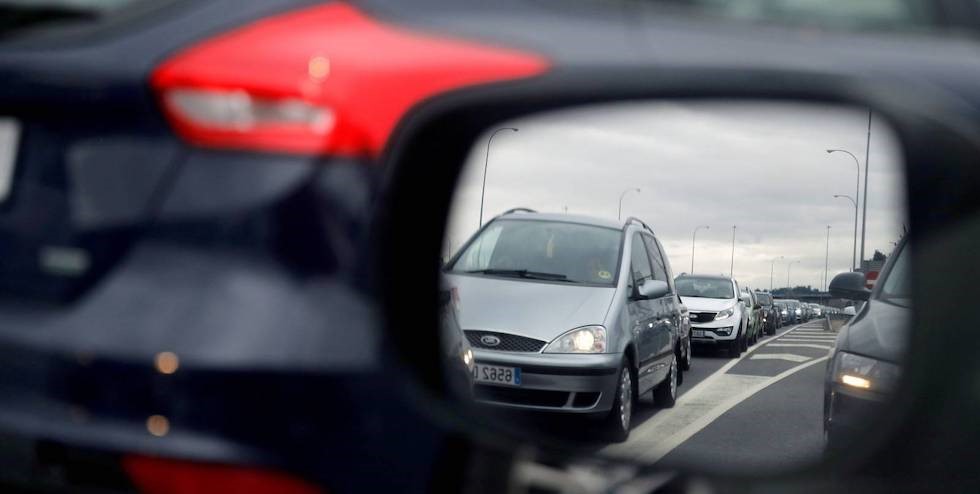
702 316
508 342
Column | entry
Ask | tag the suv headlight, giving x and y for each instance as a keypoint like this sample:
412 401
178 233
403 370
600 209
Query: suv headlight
725 314
587 339
855 371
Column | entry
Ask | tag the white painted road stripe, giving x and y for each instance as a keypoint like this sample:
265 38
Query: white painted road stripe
792 357
669 428
807 338
800 345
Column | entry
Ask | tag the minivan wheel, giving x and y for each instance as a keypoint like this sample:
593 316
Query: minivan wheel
686 362
617 423
665 394
744 342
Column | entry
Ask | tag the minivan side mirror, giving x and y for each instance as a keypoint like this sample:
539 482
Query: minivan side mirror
850 286
653 289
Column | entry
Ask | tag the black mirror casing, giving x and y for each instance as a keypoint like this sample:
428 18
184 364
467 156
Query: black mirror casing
850 286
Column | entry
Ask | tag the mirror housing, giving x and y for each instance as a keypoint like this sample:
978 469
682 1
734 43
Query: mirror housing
653 289
850 286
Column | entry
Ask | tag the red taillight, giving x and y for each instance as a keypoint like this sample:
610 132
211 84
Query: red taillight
325 79
163 476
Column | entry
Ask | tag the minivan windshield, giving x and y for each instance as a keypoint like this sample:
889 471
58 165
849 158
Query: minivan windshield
544 250
897 287
764 298
691 286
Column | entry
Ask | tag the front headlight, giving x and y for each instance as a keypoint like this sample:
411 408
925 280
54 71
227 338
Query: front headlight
468 357
587 339
725 314
798 311
859 372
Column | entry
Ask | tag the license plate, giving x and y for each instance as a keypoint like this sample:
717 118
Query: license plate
495 374
9 137
697 333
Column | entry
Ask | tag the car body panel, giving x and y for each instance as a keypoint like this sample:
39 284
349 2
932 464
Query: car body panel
536 309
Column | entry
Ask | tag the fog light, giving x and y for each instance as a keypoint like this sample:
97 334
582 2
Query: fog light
723 331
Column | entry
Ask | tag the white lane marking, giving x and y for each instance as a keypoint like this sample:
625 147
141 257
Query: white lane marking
792 357
670 428
807 338
727 385
800 345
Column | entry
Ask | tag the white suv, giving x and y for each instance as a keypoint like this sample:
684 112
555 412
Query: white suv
718 316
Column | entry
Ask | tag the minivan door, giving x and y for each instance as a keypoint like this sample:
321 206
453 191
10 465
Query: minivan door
644 318
667 308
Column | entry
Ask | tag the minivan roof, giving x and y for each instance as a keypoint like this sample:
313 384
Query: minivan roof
706 276
563 217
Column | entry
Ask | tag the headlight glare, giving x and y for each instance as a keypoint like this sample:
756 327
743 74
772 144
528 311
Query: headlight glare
587 339
856 371
725 314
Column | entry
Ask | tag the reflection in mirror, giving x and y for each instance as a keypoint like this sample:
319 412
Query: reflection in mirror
652 280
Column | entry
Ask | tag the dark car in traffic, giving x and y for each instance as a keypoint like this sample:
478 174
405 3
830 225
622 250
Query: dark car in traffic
770 314
866 362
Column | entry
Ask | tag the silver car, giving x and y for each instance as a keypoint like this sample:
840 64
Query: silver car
571 314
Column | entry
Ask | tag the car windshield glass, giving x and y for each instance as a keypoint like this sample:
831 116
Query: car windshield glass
897 287
545 250
764 298
704 287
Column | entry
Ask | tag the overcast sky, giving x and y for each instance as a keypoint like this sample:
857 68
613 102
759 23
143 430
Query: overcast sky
759 166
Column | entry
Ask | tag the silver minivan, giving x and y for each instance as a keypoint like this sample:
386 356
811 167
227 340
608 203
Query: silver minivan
570 314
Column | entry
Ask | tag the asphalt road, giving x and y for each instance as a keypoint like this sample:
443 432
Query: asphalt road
759 413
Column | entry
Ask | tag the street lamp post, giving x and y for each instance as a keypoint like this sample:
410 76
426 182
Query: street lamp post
788 266
486 160
694 236
731 270
854 249
619 215
864 209
857 189
826 260
772 268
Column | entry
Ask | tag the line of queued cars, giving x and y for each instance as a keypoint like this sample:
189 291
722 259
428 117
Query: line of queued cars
582 316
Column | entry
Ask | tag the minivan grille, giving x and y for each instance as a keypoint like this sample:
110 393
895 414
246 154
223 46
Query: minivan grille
508 342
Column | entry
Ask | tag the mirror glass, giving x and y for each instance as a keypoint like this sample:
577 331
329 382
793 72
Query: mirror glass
559 217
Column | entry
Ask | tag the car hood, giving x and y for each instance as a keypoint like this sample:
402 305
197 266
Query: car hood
881 332
698 304
533 309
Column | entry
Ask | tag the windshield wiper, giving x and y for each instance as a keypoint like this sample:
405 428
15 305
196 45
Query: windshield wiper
523 273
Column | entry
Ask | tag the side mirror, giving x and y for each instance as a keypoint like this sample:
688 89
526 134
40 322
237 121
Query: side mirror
745 299
653 289
849 286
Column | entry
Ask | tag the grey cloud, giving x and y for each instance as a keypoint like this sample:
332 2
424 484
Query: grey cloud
760 166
